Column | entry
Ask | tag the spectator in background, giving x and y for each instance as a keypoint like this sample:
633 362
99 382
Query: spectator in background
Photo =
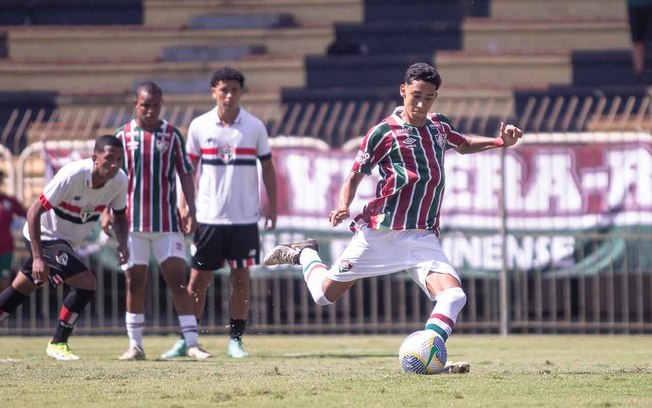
10 208
229 141
640 24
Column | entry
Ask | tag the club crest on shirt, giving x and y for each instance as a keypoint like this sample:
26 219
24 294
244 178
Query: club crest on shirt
345 266
86 211
440 135
6 204
227 153
62 258
162 141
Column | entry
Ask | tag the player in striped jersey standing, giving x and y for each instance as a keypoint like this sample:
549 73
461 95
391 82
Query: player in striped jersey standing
228 141
398 230
154 155
63 215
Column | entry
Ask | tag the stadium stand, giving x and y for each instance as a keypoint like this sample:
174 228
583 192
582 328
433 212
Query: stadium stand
346 52
71 12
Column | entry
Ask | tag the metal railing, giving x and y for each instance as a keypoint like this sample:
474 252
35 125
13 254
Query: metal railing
539 300
337 121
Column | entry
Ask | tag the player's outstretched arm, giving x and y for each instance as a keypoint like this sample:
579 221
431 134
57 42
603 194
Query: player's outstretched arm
508 135
347 193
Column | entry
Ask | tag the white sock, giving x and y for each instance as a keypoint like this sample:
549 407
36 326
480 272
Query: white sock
135 323
314 273
444 315
188 325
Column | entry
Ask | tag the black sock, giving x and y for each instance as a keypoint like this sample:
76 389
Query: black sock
73 304
237 328
10 299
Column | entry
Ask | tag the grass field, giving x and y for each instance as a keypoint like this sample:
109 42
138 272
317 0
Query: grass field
332 371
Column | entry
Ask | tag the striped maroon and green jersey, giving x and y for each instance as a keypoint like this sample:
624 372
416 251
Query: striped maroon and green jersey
410 160
152 161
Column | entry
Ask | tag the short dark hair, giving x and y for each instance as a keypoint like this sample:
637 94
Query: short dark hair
226 73
150 87
422 71
106 140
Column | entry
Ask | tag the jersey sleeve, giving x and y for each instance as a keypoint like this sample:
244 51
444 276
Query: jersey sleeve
119 201
453 137
120 134
263 150
375 146
56 189
193 144
182 162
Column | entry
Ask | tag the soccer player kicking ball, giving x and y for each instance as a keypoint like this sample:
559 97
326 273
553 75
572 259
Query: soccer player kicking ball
398 230
62 217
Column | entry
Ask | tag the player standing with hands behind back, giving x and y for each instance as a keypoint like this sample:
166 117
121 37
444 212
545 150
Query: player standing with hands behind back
228 141
399 229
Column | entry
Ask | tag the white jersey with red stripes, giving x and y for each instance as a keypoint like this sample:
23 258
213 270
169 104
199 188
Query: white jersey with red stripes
228 184
74 206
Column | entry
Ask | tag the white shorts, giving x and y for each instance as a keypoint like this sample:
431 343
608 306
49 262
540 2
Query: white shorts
164 245
374 252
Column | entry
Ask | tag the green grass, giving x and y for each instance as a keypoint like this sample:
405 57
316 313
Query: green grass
332 371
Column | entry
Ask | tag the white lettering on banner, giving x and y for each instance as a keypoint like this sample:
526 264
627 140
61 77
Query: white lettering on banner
547 187
315 182
631 178
311 180
527 252
553 186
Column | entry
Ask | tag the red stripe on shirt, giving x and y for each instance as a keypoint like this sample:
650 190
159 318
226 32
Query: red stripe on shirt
426 203
237 150
44 202
146 174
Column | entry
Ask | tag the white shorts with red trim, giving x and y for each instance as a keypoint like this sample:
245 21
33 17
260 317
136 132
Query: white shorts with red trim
374 252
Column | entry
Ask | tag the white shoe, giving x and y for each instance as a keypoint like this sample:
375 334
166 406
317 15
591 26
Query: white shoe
236 350
134 353
457 367
198 352
289 253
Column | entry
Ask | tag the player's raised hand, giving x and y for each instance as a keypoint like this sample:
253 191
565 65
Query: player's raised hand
509 134
337 215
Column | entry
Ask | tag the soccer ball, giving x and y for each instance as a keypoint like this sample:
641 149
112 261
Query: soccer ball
423 352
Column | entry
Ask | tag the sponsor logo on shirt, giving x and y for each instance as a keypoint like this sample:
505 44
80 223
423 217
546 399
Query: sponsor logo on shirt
409 142
362 157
